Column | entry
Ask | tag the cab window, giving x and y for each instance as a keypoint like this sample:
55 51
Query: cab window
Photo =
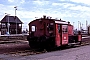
64 28
50 27
59 28
33 28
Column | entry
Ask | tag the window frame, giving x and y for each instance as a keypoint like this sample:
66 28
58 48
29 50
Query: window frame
33 28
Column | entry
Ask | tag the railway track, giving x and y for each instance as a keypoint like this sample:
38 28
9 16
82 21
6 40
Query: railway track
24 53
85 41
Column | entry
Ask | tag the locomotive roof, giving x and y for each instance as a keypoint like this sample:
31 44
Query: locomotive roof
60 22
55 20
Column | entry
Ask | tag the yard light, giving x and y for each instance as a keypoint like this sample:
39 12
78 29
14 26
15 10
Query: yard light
16 18
8 22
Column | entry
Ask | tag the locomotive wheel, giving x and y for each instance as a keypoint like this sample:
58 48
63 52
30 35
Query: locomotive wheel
50 44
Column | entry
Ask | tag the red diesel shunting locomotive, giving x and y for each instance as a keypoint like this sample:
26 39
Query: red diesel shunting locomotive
48 33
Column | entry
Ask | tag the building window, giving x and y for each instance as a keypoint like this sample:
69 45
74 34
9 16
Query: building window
20 25
3 25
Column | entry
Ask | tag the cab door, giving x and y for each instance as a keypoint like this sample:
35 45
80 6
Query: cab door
64 35
58 35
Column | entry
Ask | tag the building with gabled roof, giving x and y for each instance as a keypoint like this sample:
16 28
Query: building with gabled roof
11 23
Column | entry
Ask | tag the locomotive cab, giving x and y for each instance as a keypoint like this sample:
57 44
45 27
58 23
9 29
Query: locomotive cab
61 33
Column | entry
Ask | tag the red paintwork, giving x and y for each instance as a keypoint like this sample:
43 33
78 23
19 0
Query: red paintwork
64 38
70 29
79 38
64 34
57 37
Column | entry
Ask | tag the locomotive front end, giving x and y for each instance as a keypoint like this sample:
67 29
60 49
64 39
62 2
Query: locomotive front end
41 33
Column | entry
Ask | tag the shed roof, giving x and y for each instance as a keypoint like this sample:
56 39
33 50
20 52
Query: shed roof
12 19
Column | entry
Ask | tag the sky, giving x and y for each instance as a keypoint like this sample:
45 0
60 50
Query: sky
74 11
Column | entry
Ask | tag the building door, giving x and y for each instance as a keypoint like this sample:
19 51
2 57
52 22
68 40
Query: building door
3 31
